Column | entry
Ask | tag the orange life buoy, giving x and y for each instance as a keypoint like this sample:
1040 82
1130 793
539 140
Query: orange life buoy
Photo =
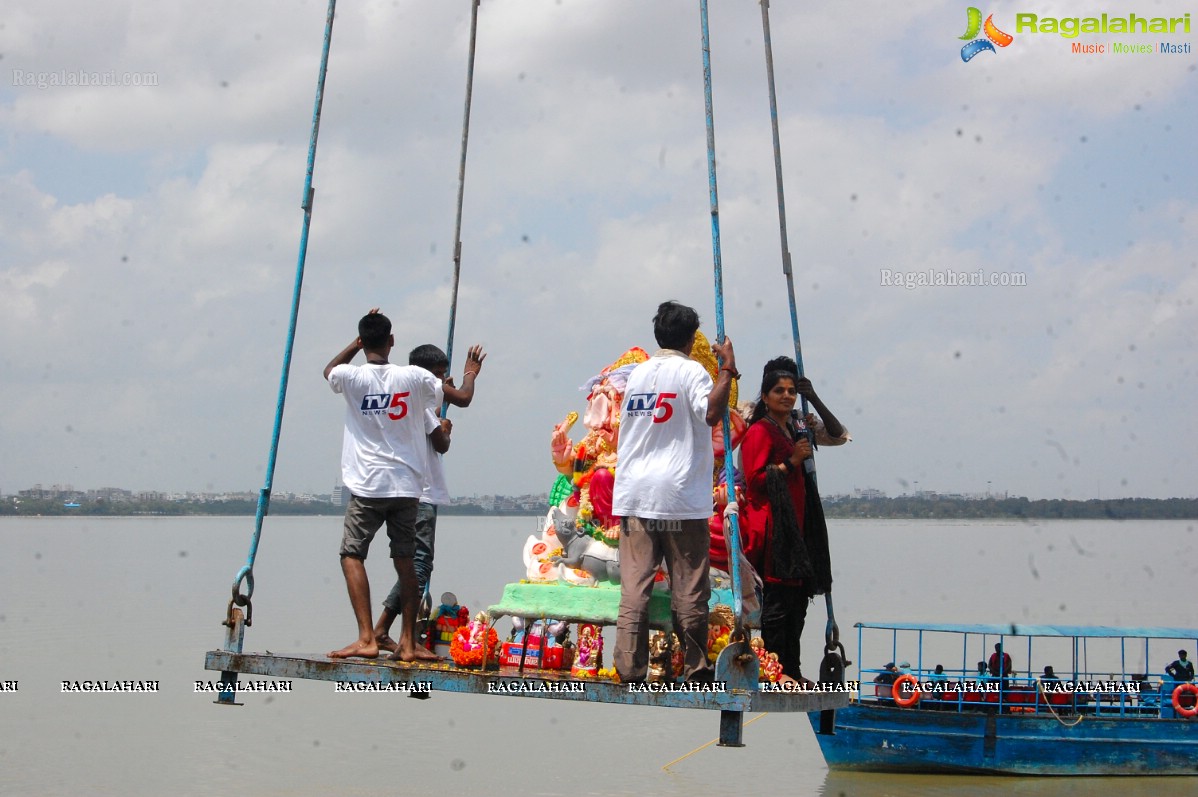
1188 689
902 698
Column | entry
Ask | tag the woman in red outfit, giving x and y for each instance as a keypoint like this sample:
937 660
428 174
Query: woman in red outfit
776 507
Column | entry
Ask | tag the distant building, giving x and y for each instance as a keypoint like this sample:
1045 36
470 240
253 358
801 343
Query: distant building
868 494
113 495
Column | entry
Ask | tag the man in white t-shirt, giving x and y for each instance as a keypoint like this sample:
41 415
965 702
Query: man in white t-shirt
390 420
663 490
436 362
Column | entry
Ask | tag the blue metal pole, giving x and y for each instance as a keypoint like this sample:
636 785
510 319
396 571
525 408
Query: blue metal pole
733 537
457 229
246 573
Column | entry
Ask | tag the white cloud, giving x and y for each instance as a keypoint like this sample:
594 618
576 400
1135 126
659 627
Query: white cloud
149 235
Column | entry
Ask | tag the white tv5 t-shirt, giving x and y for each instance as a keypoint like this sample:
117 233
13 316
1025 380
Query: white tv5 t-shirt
435 490
384 451
664 460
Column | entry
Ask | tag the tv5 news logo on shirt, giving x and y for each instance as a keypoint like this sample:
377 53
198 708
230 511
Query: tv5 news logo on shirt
646 404
378 403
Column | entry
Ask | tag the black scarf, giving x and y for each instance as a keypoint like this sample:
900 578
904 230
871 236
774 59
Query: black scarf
816 534
798 552
788 554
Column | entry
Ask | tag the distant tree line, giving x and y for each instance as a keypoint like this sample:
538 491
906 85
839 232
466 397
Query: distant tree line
31 507
1042 509
927 506
921 506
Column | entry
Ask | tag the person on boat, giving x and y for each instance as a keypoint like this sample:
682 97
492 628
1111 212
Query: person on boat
1049 682
784 535
885 683
384 464
983 676
941 688
888 675
1182 669
1000 664
436 362
1062 701
662 493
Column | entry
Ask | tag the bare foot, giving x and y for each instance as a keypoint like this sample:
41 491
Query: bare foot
358 650
385 642
415 653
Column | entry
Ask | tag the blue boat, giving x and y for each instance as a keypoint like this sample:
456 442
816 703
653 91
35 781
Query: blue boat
1019 700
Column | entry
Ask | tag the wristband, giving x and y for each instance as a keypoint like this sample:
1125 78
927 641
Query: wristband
735 373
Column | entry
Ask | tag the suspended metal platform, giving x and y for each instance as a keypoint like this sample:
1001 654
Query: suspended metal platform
383 675
447 677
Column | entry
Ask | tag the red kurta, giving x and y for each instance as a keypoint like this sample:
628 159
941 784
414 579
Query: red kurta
765 444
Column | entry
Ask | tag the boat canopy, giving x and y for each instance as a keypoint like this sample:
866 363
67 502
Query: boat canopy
1016 629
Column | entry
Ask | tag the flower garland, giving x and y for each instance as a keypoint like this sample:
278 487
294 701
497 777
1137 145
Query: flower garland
468 654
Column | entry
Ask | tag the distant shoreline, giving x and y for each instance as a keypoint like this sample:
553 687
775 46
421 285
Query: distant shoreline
942 507
837 507
278 508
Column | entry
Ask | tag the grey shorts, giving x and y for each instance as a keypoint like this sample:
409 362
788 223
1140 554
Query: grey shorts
365 516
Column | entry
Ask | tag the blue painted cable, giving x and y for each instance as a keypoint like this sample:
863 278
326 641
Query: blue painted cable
732 538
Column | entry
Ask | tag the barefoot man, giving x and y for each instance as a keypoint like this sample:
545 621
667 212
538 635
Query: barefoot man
436 362
384 464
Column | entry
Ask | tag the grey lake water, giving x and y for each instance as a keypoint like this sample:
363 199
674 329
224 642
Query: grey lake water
143 599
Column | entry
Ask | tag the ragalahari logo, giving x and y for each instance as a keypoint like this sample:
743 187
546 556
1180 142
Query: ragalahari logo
993 34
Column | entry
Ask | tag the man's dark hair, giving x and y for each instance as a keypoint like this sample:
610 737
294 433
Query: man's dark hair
428 357
374 329
675 325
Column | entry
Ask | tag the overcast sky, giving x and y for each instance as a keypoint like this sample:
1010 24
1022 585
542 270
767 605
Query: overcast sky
149 233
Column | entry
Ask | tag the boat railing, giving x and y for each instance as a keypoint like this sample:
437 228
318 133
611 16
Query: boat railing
1103 695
